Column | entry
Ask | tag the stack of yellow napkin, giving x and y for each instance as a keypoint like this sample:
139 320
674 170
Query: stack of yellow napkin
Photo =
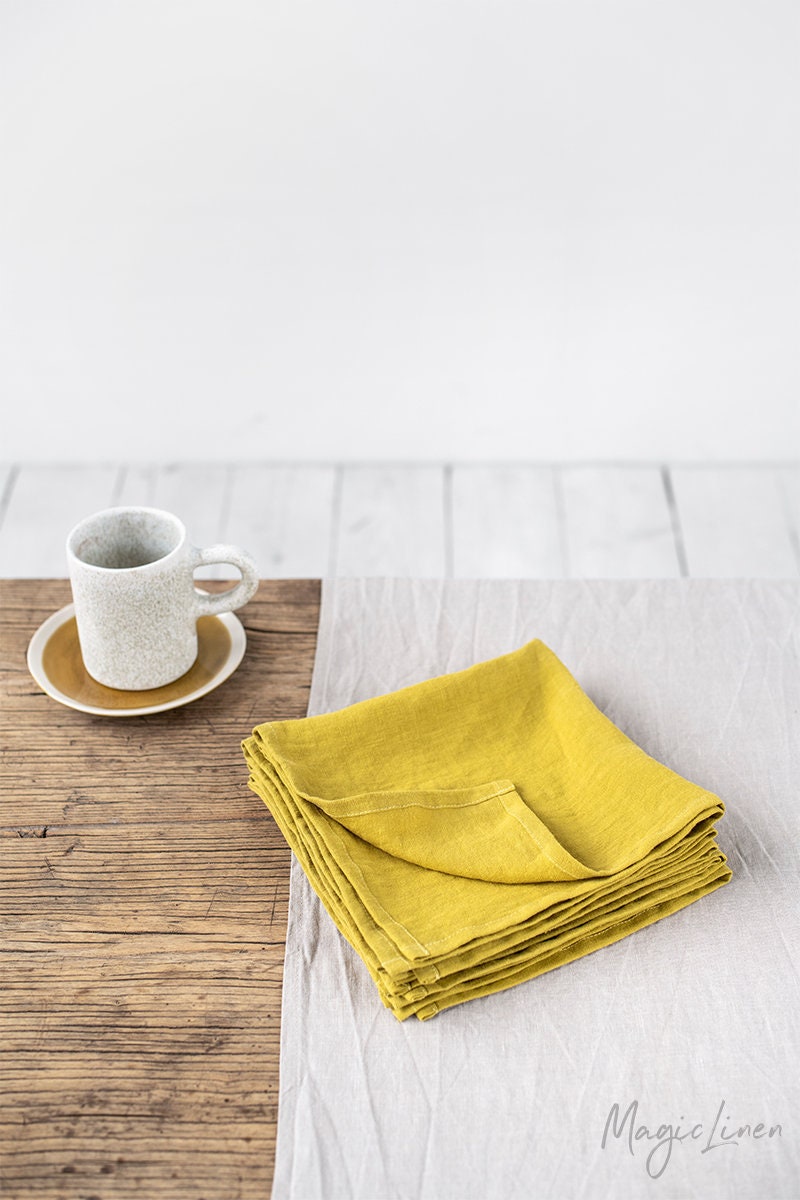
478 829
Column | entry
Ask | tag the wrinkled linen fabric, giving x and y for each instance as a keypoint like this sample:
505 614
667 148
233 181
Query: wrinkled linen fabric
509 1096
477 829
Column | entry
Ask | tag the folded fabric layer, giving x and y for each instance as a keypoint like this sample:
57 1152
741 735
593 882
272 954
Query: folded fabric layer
480 828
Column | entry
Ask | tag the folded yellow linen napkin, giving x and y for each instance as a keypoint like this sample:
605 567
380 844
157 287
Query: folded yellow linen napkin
480 828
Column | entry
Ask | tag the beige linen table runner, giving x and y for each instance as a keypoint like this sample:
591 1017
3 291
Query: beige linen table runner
539 1089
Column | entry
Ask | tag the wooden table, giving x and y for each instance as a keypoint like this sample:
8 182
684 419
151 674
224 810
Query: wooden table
143 902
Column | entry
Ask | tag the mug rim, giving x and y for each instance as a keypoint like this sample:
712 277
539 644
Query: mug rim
117 510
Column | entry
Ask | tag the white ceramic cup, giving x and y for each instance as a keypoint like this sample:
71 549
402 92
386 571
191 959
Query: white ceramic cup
135 601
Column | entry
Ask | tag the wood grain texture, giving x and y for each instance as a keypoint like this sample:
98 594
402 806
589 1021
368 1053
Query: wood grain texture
143 901
735 522
198 493
618 523
507 520
391 522
506 523
8 475
284 516
789 489
44 504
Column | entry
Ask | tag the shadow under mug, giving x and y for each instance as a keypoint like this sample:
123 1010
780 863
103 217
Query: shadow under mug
136 604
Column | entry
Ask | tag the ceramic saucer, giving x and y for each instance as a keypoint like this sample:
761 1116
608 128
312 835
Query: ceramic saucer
55 662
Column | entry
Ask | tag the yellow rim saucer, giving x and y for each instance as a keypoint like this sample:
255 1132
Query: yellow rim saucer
55 662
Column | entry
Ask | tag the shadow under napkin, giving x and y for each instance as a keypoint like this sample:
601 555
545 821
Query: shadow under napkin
480 828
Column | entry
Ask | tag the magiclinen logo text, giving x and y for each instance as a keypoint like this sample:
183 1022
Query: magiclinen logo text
656 1141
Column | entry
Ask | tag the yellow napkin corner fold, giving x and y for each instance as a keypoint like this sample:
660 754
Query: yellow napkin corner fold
480 828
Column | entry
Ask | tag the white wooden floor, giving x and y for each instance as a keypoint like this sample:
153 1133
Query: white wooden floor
524 521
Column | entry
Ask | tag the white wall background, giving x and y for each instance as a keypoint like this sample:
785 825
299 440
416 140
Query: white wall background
403 229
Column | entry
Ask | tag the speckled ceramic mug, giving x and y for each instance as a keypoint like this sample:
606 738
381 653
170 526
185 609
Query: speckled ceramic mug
135 601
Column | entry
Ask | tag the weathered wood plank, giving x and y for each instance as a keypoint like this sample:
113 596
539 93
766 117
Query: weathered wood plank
103 1158
506 523
45 503
391 522
143 900
493 520
196 492
8 475
618 523
789 488
283 515
734 522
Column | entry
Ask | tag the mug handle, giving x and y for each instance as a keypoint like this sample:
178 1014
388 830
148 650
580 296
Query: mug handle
235 597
